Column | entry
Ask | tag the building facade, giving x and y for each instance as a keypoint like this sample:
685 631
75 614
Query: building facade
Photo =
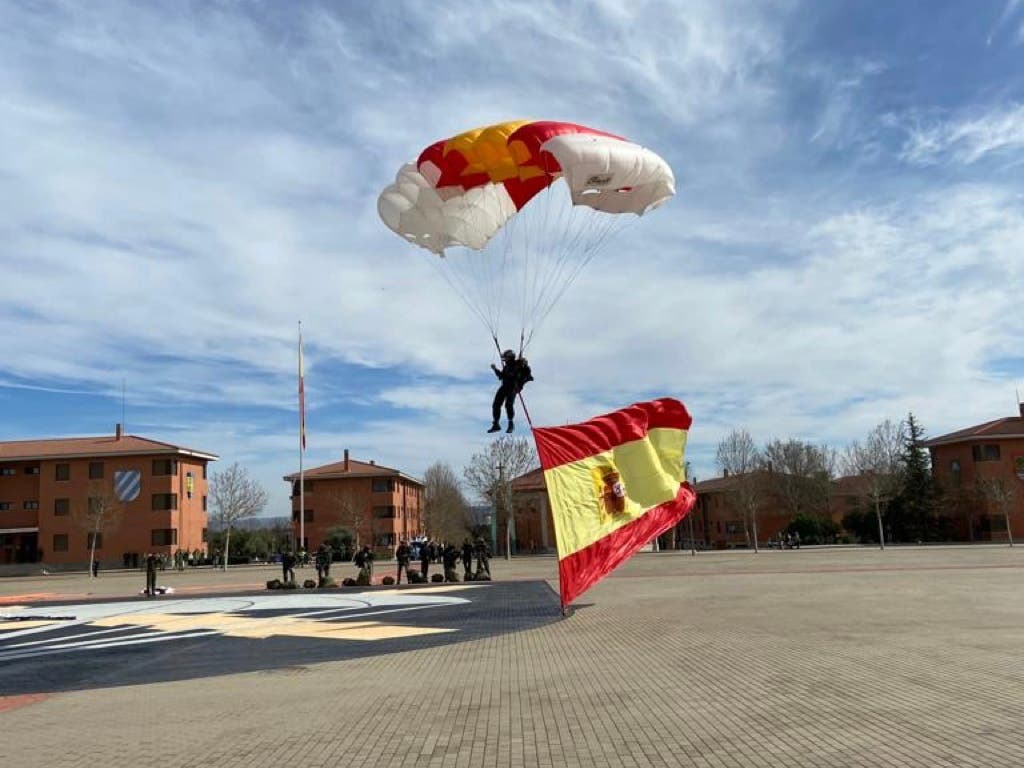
716 521
980 471
531 528
148 496
378 504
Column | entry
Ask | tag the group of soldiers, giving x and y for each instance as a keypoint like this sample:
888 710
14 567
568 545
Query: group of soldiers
424 552
449 556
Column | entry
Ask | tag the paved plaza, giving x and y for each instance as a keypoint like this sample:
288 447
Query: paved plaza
827 657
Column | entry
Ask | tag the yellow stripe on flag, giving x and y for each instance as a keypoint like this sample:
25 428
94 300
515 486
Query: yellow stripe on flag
586 505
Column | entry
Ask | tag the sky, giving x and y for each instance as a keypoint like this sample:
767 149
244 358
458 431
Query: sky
181 183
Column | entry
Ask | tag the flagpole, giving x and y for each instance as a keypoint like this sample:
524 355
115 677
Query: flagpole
302 448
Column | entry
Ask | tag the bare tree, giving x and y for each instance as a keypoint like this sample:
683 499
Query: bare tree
877 463
101 514
234 496
352 512
490 475
445 511
1000 495
801 474
738 456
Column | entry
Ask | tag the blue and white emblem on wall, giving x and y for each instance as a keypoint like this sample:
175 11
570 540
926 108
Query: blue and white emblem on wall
127 484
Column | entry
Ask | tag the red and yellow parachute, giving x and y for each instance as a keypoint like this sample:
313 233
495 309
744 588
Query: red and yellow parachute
493 190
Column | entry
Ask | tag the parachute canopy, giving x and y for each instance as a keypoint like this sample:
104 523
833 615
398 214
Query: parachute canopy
472 189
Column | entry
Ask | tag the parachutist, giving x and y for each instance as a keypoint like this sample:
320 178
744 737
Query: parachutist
514 374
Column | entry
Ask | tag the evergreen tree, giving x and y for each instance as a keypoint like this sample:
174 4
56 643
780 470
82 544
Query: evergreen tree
912 515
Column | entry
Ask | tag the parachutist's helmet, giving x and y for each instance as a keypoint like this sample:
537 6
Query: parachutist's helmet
508 354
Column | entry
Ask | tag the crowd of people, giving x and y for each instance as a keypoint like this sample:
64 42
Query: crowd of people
474 556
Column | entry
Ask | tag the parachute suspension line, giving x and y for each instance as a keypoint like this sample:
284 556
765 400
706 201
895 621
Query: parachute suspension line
529 286
605 226
568 249
541 262
475 278
459 289
554 245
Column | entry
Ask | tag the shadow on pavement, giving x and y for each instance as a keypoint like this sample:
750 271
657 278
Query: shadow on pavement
66 647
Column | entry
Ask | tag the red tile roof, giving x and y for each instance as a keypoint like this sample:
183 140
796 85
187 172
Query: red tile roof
355 469
1000 429
723 484
84 447
531 481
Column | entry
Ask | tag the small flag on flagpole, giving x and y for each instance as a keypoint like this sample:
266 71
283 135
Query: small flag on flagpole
614 483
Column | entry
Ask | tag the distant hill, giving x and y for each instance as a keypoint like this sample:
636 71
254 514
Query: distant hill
253 523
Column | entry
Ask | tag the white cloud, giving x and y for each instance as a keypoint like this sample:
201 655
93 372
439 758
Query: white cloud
966 139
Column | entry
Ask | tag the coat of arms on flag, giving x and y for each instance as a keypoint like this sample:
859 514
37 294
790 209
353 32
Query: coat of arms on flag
614 483
127 484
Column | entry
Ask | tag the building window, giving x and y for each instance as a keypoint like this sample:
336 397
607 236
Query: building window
60 542
63 472
307 515
165 467
954 470
204 502
95 470
8 471
190 483
205 536
383 485
61 506
385 540
163 537
382 513
98 538
165 501
987 452
307 488
31 470
4 506
31 505
204 470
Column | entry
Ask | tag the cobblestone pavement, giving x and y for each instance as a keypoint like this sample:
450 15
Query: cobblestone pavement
908 657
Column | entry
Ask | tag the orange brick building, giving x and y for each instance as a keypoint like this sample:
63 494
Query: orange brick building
155 493
533 529
716 522
378 504
966 461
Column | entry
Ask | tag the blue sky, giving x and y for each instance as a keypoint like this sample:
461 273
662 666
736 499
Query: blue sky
181 183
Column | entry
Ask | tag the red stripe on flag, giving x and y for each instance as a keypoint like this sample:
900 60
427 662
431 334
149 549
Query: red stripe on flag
563 445
581 570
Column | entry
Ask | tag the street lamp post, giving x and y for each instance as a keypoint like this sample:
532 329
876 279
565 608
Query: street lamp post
689 519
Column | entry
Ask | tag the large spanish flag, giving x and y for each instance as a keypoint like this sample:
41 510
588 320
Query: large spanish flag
614 483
